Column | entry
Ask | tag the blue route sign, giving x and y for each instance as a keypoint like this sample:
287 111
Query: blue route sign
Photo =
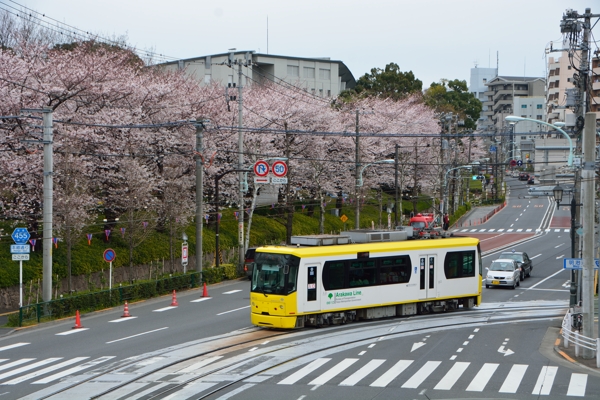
20 235
492 149
519 163
577 263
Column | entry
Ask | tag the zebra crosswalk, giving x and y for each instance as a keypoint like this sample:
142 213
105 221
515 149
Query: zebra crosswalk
509 230
26 369
454 375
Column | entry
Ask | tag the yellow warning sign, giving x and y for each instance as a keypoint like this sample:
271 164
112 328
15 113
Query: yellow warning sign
344 218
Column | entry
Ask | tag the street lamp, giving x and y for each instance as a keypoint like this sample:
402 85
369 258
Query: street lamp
514 118
445 200
217 179
558 195
359 183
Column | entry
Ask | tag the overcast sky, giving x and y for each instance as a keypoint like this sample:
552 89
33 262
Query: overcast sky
434 39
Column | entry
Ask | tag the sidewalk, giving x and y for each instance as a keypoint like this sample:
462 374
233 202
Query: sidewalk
569 353
477 216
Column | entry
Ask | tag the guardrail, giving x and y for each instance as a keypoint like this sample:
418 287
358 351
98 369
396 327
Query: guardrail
570 331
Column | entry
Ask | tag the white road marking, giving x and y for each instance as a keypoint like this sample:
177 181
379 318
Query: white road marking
482 378
421 374
391 373
577 385
230 311
12 346
200 299
545 381
232 291
164 309
139 334
73 370
452 376
513 379
361 373
28 367
333 371
301 373
198 365
72 331
122 319
44 371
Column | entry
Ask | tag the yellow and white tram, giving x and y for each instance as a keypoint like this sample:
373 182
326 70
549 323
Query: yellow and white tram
317 284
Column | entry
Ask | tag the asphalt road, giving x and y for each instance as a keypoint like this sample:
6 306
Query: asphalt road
503 355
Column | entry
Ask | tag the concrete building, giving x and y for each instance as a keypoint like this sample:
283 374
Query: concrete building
322 77
595 92
502 90
560 77
477 86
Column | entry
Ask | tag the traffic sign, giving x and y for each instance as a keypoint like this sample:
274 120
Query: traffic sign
492 149
279 180
577 263
184 253
519 163
19 248
109 255
513 163
279 168
261 168
20 257
20 235
262 179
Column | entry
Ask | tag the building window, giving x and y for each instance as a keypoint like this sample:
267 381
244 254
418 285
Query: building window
538 117
293 70
523 137
328 93
312 91
309 73
569 67
484 80
321 92
324 74
539 106
523 105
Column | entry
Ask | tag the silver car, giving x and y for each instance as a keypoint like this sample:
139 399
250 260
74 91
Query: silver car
503 272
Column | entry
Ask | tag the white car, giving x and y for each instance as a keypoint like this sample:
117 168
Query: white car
503 272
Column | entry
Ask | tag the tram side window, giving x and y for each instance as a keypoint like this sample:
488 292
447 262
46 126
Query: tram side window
459 264
394 270
362 273
334 273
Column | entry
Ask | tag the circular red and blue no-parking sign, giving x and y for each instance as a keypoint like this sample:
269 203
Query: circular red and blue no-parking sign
109 255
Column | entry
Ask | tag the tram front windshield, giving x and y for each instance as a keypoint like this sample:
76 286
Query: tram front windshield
274 273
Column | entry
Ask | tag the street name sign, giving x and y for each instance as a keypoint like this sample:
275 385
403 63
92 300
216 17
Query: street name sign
20 257
19 248
577 263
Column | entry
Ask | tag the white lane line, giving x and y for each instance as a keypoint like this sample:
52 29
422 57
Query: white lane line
361 373
198 365
232 291
28 367
44 371
230 311
164 309
139 334
501 230
545 381
577 385
200 299
520 230
301 373
333 371
73 370
391 373
535 256
421 374
452 376
482 378
513 379
122 319
545 279
12 346
509 230
72 331
15 363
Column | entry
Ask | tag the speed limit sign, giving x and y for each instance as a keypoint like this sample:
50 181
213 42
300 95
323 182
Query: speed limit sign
279 169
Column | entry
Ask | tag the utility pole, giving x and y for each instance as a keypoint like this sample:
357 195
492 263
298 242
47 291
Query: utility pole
397 203
47 207
242 250
199 192
356 172
589 191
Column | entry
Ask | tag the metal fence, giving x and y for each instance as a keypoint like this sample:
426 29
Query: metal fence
67 306
570 331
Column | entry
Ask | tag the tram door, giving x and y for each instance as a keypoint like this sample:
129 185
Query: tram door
312 289
427 276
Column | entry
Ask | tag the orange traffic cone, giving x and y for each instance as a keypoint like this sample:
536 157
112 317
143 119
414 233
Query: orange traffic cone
204 291
174 300
126 311
77 321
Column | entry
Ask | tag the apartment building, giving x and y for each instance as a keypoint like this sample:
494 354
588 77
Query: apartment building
322 77
478 80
